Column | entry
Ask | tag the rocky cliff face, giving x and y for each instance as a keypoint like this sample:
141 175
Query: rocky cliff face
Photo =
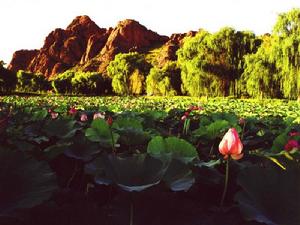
21 59
130 36
169 49
85 45
62 49
127 36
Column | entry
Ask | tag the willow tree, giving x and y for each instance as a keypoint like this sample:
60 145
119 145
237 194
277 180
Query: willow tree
128 71
164 81
228 48
191 58
261 78
211 64
286 52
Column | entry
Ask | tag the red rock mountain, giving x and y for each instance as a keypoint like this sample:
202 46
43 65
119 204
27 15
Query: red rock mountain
168 52
129 36
63 49
83 44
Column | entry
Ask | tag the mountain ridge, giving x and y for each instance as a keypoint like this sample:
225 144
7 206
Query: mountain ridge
83 44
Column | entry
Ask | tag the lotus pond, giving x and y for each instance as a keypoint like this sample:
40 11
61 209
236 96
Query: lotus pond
113 160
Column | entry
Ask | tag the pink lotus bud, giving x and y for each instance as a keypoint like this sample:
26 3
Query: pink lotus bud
54 115
242 121
292 134
187 114
99 115
231 145
72 111
83 117
183 118
291 145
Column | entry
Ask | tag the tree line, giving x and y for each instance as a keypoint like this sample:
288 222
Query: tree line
225 63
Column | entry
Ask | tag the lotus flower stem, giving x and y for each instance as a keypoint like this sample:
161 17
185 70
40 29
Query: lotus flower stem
243 131
112 141
226 182
131 209
211 149
73 175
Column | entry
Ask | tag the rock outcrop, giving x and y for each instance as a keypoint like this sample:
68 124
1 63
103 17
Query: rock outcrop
86 46
63 49
169 49
21 59
128 36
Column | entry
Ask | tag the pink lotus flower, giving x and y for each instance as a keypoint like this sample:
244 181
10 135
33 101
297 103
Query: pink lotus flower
99 115
231 145
291 145
83 117
72 111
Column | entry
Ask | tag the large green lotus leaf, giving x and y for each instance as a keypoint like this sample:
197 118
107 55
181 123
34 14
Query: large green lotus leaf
39 115
216 128
127 122
270 195
212 130
61 128
24 182
131 131
179 176
53 151
131 137
134 173
176 147
96 168
157 146
82 148
230 117
279 142
100 132
157 115
181 149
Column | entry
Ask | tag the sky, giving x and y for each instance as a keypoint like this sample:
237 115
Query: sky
26 23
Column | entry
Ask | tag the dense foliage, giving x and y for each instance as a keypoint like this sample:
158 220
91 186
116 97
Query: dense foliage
73 160
31 83
274 70
289 110
78 82
8 79
164 81
211 64
128 72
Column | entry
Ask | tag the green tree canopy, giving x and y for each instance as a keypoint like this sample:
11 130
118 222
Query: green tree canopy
274 70
211 64
128 72
30 83
8 79
260 77
164 81
286 51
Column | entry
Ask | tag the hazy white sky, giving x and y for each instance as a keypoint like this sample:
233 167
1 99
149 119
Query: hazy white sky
26 23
